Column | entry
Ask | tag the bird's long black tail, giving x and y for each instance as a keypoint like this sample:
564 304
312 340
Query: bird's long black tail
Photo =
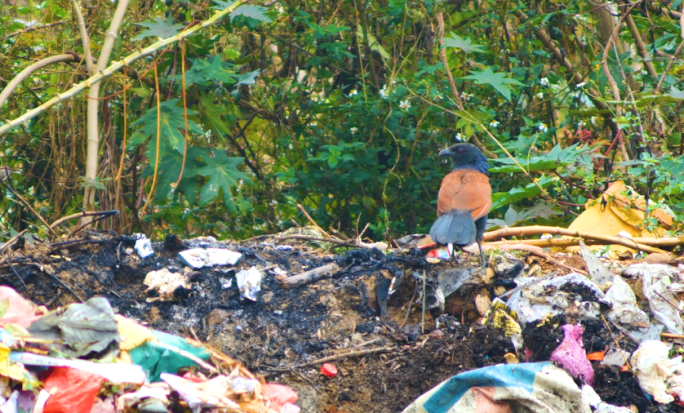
456 227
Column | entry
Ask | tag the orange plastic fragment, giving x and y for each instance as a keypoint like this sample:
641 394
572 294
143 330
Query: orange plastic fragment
596 356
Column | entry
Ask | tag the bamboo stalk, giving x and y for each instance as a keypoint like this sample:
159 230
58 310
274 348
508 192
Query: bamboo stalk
113 68
539 229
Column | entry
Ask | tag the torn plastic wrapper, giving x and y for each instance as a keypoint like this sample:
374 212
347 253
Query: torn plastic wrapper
84 329
249 283
157 357
71 390
166 283
657 374
625 310
115 373
530 387
282 396
208 257
448 282
500 316
598 272
658 282
571 354
143 246
211 393
539 297
149 393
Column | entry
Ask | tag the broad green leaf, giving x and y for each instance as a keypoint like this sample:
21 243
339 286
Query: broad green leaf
172 124
222 5
557 157
500 199
497 80
676 93
211 69
223 174
373 43
457 42
159 28
253 12
210 113
247 78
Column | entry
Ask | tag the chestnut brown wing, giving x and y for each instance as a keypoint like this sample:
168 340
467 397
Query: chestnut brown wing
467 190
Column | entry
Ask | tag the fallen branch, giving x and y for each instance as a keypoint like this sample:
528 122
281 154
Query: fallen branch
351 354
306 214
83 214
308 277
539 230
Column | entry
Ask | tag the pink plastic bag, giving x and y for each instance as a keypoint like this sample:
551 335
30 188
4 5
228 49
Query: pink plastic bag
21 311
571 354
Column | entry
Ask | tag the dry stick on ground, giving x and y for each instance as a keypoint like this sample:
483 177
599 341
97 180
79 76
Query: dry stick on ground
308 277
540 229
83 214
330 240
563 243
351 354
306 214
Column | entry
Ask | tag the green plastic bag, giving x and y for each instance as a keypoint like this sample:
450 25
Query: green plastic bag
156 358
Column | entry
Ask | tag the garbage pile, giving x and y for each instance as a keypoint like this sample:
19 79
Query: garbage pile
85 358
362 330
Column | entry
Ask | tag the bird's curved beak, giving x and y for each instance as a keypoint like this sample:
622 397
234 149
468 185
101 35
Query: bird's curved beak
445 152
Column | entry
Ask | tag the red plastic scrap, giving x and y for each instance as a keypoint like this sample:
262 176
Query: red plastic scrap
72 390
280 394
329 370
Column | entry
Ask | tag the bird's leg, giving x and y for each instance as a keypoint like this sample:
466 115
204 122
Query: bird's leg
482 255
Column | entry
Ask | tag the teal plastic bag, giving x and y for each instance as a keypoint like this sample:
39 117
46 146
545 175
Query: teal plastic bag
158 358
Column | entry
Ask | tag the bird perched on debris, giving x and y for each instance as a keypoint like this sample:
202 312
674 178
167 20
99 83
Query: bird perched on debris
464 199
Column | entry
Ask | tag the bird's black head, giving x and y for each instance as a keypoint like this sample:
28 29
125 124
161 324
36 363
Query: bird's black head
467 156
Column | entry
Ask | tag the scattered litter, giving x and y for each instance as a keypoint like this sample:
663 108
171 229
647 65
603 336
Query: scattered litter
657 374
329 370
165 283
598 272
531 387
542 296
659 282
571 354
208 257
143 246
226 283
249 283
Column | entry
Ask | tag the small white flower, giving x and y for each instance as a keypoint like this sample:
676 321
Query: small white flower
580 85
290 146
592 120
544 81
405 104
438 97
458 137
581 124
494 124
394 82
240 183
354 130
274 202
313 124
540 95
354 92
542 127
643 72
383 92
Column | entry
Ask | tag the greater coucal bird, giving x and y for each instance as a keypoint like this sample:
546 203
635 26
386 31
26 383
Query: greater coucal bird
464 199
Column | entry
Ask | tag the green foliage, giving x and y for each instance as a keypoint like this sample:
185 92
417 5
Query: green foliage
342 107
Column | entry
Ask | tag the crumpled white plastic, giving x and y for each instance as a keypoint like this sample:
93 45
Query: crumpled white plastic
657 374
659 282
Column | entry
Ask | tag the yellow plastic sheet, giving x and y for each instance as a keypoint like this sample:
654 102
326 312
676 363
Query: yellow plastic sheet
619 210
